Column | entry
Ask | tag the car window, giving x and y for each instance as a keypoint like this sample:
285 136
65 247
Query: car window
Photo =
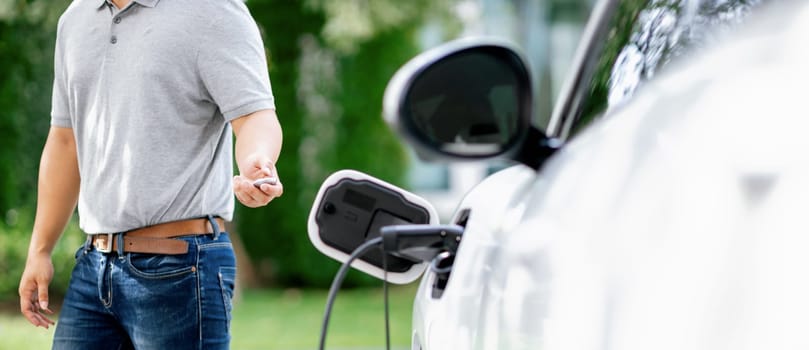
632 41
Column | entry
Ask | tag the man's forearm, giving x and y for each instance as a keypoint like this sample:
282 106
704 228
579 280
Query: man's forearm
58 190
257 134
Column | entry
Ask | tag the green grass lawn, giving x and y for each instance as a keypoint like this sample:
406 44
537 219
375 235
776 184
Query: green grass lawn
280 319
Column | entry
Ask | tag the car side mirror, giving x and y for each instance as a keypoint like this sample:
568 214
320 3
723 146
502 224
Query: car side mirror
467 99
351 208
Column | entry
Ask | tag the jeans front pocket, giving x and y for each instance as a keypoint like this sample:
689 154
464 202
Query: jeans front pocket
154 266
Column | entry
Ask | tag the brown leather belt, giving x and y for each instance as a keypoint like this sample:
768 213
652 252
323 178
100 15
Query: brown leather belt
156 239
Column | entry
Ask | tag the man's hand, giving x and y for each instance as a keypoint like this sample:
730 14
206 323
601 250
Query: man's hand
34 290
258 143
251 196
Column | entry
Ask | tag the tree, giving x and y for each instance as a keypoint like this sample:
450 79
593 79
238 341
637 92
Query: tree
27 33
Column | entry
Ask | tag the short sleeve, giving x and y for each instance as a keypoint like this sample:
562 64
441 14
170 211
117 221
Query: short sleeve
232 63
60 108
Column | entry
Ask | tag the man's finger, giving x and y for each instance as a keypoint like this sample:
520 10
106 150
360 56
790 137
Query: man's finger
273 191
29 310
253 196
41 321
32 317
256 194
42 296
247 193
243 198
266 188
27 297
248 200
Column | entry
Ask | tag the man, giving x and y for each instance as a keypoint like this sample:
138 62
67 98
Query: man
145 95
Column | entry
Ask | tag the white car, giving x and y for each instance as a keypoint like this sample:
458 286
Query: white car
665 213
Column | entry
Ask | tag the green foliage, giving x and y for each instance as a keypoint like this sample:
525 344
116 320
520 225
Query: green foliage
27 35
349 23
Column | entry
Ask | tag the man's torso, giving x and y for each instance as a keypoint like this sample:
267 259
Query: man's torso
153 144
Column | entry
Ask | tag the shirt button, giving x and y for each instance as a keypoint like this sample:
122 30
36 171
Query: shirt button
113 40
117 20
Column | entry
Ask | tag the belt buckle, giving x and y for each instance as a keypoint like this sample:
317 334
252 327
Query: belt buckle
107 248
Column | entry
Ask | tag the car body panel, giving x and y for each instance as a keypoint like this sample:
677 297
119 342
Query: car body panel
451 320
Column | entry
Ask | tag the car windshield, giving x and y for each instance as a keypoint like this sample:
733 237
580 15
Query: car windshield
635 40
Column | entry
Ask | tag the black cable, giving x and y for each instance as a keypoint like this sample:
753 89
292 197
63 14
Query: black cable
385 292
338 280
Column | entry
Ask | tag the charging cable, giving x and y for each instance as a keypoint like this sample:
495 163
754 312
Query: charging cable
338 280
385 293
415 242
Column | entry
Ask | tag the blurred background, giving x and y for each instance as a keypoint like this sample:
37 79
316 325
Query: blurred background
329 62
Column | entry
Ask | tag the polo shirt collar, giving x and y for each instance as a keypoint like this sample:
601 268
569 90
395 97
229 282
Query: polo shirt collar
146 3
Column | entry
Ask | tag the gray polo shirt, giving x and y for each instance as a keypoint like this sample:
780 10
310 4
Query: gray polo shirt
148 91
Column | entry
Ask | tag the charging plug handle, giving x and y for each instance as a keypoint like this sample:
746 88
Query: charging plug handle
420 242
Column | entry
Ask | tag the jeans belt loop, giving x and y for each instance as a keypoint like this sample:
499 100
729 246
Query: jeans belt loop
214 226
120 238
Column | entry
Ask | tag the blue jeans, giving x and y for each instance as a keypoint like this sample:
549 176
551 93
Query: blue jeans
146 301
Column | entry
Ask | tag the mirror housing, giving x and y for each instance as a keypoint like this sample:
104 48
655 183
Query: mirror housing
467 99
352 207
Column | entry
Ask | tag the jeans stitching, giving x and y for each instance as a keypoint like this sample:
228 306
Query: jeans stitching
199 294
106 273
216 245
223 291
162 275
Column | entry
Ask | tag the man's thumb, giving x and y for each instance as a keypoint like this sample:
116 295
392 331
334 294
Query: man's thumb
43 296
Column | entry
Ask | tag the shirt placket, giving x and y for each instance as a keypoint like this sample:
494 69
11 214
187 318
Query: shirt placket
112 52
115 22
